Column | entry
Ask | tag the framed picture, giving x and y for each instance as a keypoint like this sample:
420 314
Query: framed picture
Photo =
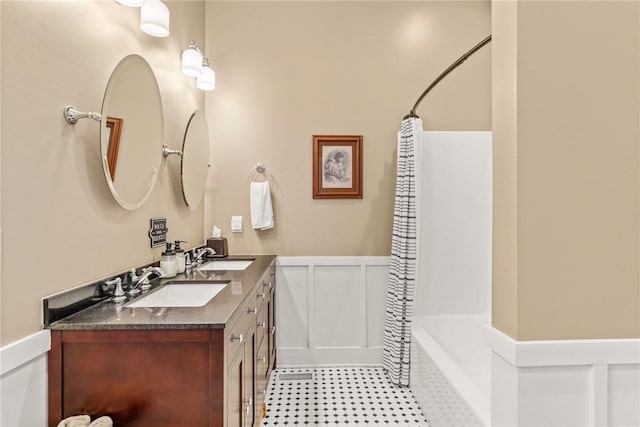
114 127
337 166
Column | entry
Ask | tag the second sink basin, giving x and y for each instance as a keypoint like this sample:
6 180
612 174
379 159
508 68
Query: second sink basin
194 294
226 264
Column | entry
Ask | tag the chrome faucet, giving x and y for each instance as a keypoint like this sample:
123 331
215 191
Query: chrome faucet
201 252
143 280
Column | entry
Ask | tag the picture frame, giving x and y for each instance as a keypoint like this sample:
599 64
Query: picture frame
114 128
337 166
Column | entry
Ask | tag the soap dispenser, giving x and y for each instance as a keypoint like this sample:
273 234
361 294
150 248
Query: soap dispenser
168 262
180 258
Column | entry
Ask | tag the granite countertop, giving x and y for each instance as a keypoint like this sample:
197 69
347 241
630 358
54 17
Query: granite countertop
213 315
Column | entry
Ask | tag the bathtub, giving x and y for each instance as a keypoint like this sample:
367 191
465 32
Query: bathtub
451 370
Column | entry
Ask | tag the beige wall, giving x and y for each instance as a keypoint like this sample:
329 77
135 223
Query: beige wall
504 293
288 70
566 228
60 226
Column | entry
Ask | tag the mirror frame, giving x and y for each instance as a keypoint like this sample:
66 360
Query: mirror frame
192 205
110 132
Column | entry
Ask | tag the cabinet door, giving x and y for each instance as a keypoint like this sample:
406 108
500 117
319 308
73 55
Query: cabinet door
235 381
271 308
140 378
249 395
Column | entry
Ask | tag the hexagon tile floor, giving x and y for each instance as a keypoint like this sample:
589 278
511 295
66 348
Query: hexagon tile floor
339 396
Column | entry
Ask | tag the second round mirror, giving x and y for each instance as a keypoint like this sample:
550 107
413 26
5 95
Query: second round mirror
195 159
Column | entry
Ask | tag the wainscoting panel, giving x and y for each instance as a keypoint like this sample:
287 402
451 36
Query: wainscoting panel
623 385
377 282
23 381
291 297
330 310
337 307
565 382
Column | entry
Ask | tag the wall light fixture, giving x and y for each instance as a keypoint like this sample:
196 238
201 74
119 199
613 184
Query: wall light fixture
132 3
192 60
154 18
207 80
194 64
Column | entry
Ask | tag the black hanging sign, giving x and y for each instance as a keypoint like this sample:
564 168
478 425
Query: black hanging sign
158 232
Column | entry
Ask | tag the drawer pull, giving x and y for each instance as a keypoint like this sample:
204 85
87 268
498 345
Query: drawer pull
252 310
262 325
239 338
263 295
267 285
248 403
273 330
262 359
263 392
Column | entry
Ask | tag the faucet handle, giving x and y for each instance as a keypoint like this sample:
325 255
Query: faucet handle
133 276
114 281
118 293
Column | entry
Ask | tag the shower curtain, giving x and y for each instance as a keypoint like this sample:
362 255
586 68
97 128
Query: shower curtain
402 265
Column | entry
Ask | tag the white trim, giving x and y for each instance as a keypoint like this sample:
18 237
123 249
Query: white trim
598 391
24 350
362 296
563 382
329 356
310 305
477 401
562 352
332 260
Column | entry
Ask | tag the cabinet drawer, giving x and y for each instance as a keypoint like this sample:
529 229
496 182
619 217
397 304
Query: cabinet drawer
261 296
267 285
239 332
264 288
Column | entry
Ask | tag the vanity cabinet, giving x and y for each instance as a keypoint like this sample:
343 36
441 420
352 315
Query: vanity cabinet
249 349
141 377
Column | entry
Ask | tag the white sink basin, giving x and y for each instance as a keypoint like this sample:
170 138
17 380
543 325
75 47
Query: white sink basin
226 264
180 295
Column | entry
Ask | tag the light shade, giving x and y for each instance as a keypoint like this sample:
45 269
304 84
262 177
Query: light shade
154 18
132 3
207 81
191 61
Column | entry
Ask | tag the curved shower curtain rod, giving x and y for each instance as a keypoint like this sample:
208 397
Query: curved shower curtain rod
453 66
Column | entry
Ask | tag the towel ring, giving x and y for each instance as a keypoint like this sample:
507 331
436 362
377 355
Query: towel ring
259 169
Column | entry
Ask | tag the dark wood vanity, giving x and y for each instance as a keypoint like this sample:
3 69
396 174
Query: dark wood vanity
173 373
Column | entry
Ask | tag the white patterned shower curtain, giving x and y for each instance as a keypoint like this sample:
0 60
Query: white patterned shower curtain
402 265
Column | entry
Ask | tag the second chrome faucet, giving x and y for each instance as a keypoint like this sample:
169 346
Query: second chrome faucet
142 282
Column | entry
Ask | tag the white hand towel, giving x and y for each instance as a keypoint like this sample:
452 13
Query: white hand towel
261 208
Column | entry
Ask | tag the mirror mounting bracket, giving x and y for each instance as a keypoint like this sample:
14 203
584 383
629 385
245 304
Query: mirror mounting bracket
72 115
166 151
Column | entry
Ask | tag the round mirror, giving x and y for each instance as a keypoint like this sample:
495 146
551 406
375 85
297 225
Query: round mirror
131 132
195 159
